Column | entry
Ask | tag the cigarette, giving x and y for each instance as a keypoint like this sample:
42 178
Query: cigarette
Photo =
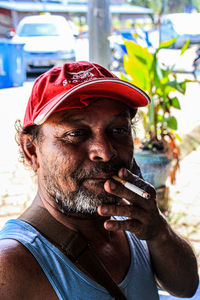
132 187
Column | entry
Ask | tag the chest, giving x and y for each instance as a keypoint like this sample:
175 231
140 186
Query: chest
115 256
57 278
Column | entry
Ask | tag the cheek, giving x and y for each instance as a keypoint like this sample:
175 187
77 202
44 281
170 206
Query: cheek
58 163
126 150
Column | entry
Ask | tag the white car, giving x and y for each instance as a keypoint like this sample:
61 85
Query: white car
183 26
49 41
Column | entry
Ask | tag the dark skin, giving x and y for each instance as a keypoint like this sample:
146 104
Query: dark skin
73 138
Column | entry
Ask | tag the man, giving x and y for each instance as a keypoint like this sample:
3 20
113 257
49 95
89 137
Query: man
76 136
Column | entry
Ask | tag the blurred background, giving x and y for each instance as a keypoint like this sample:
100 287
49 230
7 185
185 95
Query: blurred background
95 30
37 35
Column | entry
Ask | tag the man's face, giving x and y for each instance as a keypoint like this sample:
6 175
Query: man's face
80 149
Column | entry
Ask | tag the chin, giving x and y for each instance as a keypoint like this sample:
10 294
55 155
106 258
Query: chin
87 206
90 211
84 200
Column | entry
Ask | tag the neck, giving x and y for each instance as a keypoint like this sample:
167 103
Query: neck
90 226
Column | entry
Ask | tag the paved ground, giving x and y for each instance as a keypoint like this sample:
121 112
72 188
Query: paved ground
185 201
15 182
17 187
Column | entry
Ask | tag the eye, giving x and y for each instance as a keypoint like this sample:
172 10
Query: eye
120 133
74 136
76 133
120 130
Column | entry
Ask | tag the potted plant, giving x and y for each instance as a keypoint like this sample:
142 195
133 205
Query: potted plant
159 151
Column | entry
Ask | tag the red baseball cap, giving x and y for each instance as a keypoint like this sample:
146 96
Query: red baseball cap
75 85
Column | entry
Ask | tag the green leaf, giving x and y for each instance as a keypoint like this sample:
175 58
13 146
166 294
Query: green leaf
157 72
171 122
185 47
166 44
151 108
143 70
164 89
178 137
133 49
165 104
179 86
159 118
125 77
138 72
183 86
139 52
144 119
175 103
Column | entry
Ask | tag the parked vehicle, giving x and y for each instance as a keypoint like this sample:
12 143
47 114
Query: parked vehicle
49 41
196 64
118 48
182 26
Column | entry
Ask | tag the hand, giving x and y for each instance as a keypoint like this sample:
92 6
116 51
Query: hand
143 216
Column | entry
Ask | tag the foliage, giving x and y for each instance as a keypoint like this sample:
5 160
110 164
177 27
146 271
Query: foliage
144 70
165 6
157 5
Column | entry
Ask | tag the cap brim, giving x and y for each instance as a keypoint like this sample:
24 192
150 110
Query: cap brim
111 88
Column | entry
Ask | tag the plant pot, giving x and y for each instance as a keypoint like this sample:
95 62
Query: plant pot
155 167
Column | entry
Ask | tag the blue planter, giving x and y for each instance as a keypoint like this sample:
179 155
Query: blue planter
155 167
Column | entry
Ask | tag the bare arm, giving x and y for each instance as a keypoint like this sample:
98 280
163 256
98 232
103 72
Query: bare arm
173 260
174 263
13 276
21 277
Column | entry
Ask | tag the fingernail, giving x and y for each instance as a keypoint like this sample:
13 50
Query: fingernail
123 173
108 226
104 209
112 186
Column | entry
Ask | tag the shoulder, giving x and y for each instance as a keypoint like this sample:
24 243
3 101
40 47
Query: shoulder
12 252
18 270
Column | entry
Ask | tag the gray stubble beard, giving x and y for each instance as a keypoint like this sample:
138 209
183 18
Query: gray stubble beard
79 201
82 200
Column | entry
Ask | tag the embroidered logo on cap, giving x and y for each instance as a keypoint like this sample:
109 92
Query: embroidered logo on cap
64 82
79 76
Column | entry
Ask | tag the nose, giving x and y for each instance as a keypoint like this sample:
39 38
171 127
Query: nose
101 149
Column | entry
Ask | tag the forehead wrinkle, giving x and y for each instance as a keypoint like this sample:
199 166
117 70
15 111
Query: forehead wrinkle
124 114
69 120
64 117
86 118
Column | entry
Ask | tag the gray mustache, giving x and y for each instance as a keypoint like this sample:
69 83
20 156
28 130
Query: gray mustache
108 168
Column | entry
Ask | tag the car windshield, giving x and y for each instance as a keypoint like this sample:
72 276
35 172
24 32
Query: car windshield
187 24
38 29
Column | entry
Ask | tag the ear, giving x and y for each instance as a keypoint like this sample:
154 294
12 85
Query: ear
28 148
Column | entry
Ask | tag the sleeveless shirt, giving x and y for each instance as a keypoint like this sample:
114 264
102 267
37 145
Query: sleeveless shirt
71 283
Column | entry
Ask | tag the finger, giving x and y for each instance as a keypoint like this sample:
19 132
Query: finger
129 211
117 189
140 231
125 174
124 225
